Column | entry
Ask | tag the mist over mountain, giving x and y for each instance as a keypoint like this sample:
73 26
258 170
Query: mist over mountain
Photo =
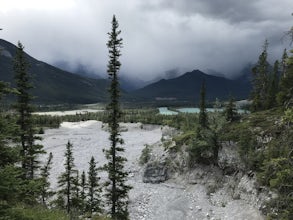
79 69
51 84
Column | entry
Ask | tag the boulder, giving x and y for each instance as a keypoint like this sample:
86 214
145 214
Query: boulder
155 172
229 159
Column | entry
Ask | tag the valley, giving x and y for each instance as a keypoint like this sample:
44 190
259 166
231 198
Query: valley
176 198
181 115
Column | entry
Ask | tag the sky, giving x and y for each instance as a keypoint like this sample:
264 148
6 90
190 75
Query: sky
158 35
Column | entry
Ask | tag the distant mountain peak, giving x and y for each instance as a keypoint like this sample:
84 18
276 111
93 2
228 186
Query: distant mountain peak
198 74
186 87
195 72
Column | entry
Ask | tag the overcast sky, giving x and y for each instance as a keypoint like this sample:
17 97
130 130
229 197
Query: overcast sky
158 35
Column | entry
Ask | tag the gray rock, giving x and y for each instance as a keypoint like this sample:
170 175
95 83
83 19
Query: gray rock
229 159
155 172
169 132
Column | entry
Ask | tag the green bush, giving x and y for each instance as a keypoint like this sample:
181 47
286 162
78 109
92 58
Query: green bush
167 144
203 148
184 138
198 153
145 155
41 131
278 174
288 117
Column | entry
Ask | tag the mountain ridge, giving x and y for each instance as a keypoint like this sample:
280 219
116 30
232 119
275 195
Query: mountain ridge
53 85
186 87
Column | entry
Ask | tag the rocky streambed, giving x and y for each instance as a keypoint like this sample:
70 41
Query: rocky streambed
202 193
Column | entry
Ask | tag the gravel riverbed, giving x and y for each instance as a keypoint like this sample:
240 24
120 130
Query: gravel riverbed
172 200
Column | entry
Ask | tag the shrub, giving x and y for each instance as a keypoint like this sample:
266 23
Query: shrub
145 155
288 117
199 152
184 138
41 131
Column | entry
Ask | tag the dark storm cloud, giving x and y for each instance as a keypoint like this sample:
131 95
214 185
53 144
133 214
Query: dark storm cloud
231 10
158 35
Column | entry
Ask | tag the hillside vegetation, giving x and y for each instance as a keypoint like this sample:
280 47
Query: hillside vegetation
53 85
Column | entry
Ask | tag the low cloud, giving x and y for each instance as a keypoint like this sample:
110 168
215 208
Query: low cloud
158 35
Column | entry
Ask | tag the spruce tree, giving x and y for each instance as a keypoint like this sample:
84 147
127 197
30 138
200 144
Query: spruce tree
8 155
260 81
94 203
116 187
76 199
66 181
284 63
202 118
45 184
27 133
230 111
273 86
10 182
83 191
285 94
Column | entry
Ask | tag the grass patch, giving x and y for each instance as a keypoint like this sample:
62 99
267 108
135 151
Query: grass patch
20 212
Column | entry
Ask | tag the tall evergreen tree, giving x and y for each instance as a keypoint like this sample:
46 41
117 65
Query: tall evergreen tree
10 182
284 63
94 203
273 86
83 191
230 111
116 187
8 155
285 94
27 133
45 184
66 181
202 118
76 198
260 81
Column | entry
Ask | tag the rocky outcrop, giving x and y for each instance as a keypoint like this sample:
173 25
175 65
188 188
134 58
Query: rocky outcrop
229 159
168 132
155 172
248 190
226 188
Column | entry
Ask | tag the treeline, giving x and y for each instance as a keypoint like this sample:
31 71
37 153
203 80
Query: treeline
272 86
273 159
182 121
